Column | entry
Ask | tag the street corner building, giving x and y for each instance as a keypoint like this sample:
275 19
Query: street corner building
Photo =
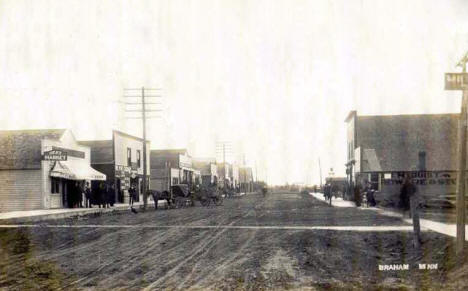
121 159
40 169
384 149
171 167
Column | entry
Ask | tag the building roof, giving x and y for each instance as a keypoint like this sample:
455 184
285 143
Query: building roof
129 135
394 142
101 151
170 151
21 149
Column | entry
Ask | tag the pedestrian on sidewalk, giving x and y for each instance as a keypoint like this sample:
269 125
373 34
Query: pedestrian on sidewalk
81 194
370 199
357 194
131 194
87 192
78 196
101 199
111 195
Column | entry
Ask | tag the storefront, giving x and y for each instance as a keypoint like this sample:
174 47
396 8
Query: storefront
121 159
383 150
66 179
40 169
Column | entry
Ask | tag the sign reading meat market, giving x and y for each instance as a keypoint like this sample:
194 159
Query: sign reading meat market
54 155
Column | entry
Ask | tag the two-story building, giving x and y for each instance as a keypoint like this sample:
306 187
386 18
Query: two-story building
121 159
41 169
208 170
170 167
246 179
224 174
384 149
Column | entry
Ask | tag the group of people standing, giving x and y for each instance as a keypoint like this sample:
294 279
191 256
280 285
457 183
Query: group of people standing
369 193
84 196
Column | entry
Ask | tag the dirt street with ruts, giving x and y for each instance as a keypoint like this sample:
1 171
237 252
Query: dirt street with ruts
283 241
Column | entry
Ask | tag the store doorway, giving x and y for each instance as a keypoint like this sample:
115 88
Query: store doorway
70 193
120 197
134 182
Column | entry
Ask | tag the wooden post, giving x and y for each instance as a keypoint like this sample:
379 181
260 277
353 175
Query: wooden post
414 208
461 175
459 81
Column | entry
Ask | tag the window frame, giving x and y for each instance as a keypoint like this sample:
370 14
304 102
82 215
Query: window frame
138 156
129 157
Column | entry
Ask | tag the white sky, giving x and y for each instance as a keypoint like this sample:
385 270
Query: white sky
277 78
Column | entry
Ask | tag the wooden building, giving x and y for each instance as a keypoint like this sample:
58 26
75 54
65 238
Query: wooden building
384 149
40 168
121 159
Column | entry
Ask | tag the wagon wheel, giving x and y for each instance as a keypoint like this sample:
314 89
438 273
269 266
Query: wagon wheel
218 200
179 202
205 202
192 202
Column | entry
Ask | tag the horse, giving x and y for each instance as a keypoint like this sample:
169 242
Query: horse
158 195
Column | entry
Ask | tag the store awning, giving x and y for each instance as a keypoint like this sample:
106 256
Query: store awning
76 170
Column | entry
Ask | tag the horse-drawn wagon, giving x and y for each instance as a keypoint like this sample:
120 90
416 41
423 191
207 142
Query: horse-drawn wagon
181 196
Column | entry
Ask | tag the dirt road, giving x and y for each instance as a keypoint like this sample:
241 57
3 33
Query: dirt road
285 241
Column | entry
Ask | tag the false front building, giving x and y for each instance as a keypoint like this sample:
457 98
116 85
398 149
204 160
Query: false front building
170 167
383 150
121 159
41 169
208 170
246 179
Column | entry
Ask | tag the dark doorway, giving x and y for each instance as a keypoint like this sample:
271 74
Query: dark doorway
118 186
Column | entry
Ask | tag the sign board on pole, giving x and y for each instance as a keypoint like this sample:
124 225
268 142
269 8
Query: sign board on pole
456 81
54 155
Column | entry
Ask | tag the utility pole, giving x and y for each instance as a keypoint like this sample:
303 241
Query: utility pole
142 110
222 148
224 163
459 81
320 169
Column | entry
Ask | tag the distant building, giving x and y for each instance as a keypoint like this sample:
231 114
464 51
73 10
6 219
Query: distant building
208 170
383 149
235 176
170 167
246 179
121 159
228 175
40 169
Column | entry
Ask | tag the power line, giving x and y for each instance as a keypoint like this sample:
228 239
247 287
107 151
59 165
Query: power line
143 110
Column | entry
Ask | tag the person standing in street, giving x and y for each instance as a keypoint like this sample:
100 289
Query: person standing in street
409 194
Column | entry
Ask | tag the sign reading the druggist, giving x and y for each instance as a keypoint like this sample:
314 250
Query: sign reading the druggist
456 81
54 155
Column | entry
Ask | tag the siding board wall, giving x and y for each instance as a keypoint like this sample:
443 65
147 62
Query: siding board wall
20 190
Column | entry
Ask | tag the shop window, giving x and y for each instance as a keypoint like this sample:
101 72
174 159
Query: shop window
54 186
129 157
422 161
138 158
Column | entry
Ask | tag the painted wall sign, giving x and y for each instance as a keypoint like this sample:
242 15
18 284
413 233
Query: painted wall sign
423 178
54 155
456 81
